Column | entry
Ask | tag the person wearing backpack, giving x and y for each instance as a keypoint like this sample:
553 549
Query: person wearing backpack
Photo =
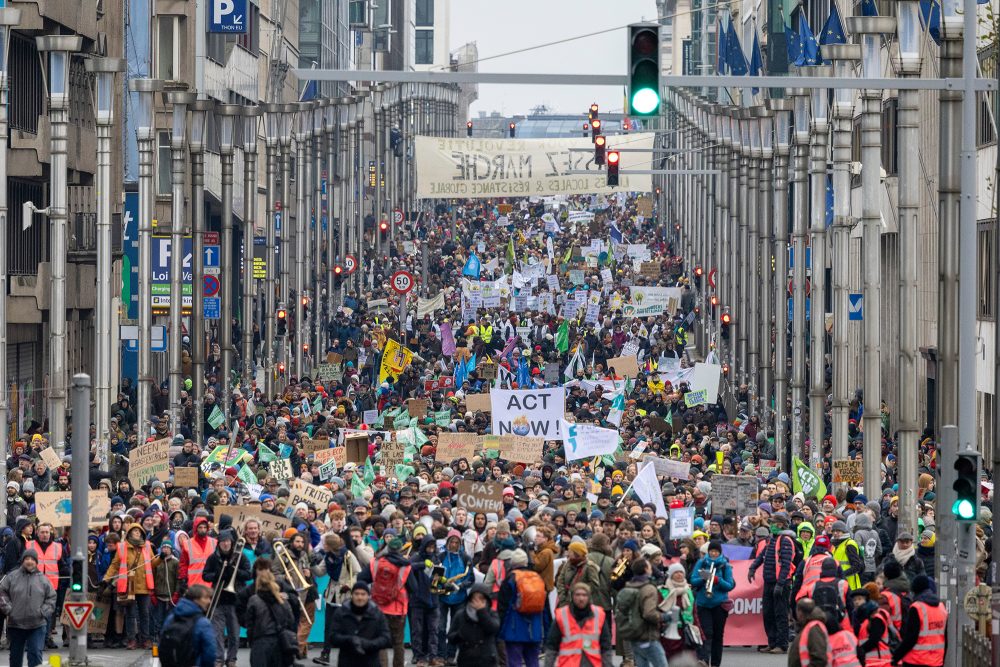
638 617
581 634
187 638
521 604
389 576
812 644
713 608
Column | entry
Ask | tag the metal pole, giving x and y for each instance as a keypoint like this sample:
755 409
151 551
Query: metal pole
800 215
782 110
845 58
301 216
144 139
229 114
742 274
80 469
751 273
273 112
250 125
201 112
318 281
179 99
284 283
765 250
817 244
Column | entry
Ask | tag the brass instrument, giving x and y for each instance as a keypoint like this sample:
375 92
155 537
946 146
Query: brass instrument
619 569
234 562
293 575
711 581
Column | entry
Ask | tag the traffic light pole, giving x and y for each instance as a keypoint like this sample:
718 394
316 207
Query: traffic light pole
766 231
80 468
800 214
947 532
782 112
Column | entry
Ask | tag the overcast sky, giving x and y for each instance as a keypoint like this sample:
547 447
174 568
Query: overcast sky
509 25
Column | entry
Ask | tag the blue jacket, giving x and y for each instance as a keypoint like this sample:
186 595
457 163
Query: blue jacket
724 581
421 595
454 565
515 626
204 635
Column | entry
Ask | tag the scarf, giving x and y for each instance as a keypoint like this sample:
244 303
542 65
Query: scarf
137 542
903 556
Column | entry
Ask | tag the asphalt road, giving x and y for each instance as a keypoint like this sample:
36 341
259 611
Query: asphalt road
122 658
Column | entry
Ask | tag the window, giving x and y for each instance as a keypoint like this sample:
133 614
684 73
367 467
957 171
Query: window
890 136
424 14
985 282
163 164
250 40
424 47
27 89
168 47
358 14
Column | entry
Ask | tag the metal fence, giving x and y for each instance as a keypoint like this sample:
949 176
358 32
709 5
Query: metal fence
976 649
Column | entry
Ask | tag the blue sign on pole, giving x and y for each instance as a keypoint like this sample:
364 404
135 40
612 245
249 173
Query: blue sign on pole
855 307
227 16
791 258
790 309
213 308
159 271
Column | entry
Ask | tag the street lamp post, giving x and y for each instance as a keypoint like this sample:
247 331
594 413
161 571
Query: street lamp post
845 58
249 116
751 133
800 213
272 131
227 115
146 90
302 140
764 251
782 147
318 279
200 112
60 49
8 17
285 231
180 99
871 29
329 145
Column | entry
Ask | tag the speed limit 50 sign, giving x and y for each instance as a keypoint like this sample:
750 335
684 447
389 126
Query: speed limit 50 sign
402 282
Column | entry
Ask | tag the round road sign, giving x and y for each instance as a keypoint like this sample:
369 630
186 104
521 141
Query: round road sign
211 286
402 282
350 264
397 216
711 277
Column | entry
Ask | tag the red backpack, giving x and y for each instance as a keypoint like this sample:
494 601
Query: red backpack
388 580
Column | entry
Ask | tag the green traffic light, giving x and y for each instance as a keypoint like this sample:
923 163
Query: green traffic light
964 509
645 100
77 588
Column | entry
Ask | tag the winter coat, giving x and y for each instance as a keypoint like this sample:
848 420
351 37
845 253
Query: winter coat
601 594
27 599
515 626
421 574
203 636
543 564
913 567
475 639
724 581
817 643
868 539
165 571
217 570
570 574
554 640
360 637
265 616
457 569
134 568
339 591
649 598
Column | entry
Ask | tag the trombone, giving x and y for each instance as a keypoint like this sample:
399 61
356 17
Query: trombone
710 584
293 575
234 562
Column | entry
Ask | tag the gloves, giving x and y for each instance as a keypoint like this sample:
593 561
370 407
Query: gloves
356 644
704 574
751 575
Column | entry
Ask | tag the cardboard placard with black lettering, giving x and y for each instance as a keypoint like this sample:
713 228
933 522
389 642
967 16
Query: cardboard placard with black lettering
480 497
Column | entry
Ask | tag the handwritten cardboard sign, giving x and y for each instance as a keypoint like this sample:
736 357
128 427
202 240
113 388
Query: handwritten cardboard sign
848 471
625 366
56 507
186 478
50 457
310 446
416 407
393 454
300 491
280 469
338 454
149 460
521 449
240 514
480 496
478 402
451 446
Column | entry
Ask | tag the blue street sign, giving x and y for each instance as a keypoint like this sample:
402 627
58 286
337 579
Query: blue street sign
213 308
791 258
227 16
212 286
791 310
212 253
159 271
855 307
277 221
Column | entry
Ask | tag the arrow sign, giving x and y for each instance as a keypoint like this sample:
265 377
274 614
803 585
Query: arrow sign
78 613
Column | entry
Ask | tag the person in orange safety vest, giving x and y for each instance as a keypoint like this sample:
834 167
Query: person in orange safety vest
812 644
580 635
923 639
53 562
195 553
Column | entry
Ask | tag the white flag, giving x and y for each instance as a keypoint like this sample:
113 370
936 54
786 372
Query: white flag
584 441
647 487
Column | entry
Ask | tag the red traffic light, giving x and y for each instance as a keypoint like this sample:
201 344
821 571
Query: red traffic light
600 140
586 126
469 125
727 318
305 301
715 300
698 271
281 368
725 369
338 269
282 313
383 226
593 110
613 157
596 123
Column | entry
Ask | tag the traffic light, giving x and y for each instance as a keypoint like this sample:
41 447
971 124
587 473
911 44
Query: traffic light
511 128
613 159
595 129
383 228
644 70
725 369
77 582
338 276
726 320
282 317
586 128
281 368
305 348
600 146
715 300
593 111
468 129
698 272
966 507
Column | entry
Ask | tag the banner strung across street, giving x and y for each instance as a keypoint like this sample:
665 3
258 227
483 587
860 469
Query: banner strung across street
652 301
533 412
485 168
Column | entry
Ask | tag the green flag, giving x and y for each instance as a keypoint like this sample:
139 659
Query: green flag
562 337
216 419
265 455
246 475
401 421
442 417
806 480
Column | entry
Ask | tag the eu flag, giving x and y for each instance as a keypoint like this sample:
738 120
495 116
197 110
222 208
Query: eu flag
737 61
794 45
833 29
829 200
868 8
930 14
810 49
756 62
720 30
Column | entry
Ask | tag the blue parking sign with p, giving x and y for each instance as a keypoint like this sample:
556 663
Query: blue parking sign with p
227 16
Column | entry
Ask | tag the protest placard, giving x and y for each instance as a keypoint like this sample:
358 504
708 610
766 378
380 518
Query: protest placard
668 467
480 497
338 454
584 441
650 269
280 469
369 416
240 514
327 470
848 471
478 402
301 491
521 449
417 407
530 412
56 507
50 457
734 494
681 522
581 505
186 478
311 446
149 460
625 366
488 371
393 454
693 399
451 446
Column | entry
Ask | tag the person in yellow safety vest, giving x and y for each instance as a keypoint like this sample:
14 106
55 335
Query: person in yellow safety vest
131 573
923 639
580 635
485 331
848 554
812 644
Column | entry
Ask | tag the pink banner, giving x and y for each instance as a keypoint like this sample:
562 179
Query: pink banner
447 340
745 626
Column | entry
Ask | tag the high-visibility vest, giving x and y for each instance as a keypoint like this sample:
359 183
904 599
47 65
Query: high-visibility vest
579 640
486 333
777 557
197 557
499 570
804 643
880 656
48 560
123 573
929 649
840 553
810 573
844 647
895 609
